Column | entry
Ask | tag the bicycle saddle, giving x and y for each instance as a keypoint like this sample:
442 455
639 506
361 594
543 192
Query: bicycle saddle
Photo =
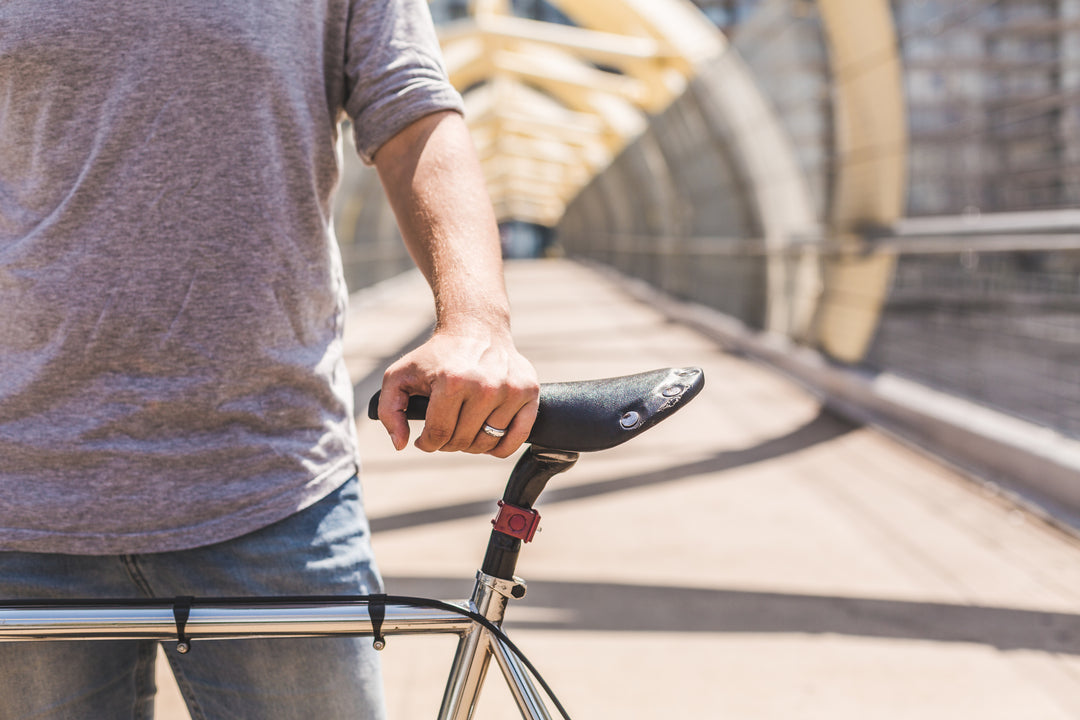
590 415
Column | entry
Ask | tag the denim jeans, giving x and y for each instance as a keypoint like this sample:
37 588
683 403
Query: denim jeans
323 550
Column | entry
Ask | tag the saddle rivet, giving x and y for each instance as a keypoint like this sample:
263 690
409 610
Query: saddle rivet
673 391
629 420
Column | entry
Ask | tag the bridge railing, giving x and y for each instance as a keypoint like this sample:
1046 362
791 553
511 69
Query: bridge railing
987 309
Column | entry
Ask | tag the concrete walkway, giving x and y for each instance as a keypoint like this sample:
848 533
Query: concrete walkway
753 557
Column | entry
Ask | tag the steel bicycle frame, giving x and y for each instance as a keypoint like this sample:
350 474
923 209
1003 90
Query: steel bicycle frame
266 619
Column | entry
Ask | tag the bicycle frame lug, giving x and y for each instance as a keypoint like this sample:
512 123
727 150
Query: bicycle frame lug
515 588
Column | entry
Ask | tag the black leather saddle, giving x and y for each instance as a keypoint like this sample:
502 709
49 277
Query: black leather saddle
590 415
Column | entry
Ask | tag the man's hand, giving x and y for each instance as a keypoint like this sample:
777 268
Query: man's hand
472 379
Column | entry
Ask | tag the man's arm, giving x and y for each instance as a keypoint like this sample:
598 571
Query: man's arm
469 368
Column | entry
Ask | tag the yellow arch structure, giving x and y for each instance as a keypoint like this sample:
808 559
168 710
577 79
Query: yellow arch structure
550 106
869 190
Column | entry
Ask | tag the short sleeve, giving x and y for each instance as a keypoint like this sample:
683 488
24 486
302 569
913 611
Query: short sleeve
394 70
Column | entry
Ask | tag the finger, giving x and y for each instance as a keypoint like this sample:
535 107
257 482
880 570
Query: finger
485 406
511 402
392 403
518 431
479 399
441 421
499 419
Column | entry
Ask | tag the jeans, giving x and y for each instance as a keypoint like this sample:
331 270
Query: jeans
322 550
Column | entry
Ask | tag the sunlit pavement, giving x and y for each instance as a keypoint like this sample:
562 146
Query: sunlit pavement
752 557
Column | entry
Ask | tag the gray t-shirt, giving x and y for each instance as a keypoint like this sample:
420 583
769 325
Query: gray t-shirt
171 294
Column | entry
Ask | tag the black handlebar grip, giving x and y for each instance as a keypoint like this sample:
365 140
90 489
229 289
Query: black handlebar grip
417 409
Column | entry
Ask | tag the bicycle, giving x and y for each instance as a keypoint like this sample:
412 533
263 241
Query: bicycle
574 417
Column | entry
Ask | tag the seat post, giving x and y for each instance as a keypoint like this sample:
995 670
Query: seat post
527 481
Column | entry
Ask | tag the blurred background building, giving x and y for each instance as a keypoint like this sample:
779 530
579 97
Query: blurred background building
892 184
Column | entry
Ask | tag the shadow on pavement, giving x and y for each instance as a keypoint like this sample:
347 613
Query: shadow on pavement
607 607
640 608
824 427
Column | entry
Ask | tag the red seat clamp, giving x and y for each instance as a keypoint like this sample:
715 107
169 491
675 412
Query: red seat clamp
516 522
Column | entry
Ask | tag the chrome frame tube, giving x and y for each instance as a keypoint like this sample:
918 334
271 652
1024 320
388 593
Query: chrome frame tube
266 619
466 676
292 618
474 651
528 700
490 598
220 622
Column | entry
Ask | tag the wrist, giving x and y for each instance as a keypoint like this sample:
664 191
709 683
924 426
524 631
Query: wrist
486 319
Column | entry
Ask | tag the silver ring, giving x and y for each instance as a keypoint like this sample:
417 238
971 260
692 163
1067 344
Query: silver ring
493 431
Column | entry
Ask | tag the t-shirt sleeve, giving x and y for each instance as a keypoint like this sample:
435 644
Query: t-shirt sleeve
394 70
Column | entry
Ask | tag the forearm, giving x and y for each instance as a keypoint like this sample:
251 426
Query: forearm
479 385
436 188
